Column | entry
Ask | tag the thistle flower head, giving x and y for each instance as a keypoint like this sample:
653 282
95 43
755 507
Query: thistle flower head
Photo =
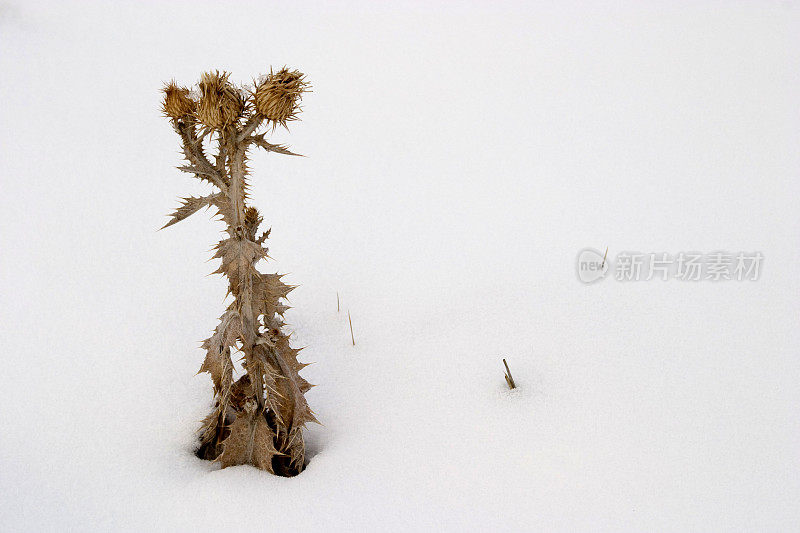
278 95
220 103
177 103
252 217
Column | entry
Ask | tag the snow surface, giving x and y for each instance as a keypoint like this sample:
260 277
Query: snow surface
459 157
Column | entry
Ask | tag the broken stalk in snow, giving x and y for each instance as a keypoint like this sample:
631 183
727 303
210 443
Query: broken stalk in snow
509 378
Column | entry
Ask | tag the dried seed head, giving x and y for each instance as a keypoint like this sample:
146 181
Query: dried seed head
252 219
177 103
277 97
220 103
251 216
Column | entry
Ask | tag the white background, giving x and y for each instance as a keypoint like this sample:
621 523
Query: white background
458 158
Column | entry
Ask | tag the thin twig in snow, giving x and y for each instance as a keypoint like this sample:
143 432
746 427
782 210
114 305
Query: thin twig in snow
352 337
509 378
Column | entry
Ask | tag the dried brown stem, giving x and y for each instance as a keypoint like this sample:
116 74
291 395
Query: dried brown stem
509 378
352 337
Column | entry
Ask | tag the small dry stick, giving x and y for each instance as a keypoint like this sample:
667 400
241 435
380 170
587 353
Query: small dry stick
351 328
509 379
337 301
604 259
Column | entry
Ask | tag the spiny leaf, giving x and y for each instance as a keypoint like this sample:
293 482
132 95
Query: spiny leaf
292 406
259 140
264 236
238 257
218 348
190 206
194 170
250 442
293 446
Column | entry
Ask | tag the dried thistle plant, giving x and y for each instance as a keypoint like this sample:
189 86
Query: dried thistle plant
258 418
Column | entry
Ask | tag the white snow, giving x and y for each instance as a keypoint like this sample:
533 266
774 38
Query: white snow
459 158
